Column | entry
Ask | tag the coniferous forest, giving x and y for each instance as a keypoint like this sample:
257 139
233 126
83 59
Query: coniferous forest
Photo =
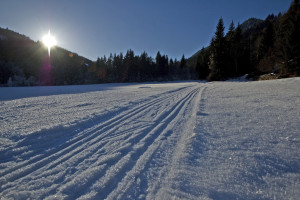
255 47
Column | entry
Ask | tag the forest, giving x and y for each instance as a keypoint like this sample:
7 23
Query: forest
255 47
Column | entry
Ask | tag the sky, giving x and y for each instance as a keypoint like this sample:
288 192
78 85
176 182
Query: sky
94 28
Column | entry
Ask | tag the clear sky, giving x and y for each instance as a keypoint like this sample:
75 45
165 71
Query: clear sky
93 28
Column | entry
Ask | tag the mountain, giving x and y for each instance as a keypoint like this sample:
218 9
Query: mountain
23 62
250 23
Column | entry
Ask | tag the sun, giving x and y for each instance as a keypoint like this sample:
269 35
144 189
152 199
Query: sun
49 41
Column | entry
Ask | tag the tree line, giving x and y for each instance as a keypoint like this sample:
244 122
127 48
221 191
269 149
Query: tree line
137 68
271 46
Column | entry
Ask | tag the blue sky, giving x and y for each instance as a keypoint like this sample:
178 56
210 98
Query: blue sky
93 28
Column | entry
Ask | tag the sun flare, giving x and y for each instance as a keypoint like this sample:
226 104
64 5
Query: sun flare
49 41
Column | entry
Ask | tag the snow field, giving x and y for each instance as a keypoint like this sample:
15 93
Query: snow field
189 140
247 142
102 151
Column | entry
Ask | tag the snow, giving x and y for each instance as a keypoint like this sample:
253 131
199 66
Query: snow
183 140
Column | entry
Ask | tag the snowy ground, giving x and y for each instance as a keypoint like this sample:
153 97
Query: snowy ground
190 140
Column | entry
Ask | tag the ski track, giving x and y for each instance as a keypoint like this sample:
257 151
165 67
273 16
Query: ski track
190 140
101 161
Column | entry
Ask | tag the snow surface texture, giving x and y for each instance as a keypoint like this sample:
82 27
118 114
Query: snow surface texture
190 140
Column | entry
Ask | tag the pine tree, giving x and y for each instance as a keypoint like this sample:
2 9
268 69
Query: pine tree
229 52
217 57
202 63
238 52
182 62
129 67
158 58
158 65
267 40
231 31
171 62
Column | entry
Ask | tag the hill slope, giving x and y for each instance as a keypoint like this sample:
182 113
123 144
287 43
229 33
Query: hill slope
22 60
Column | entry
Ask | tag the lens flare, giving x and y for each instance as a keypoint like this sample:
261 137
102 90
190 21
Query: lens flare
49 41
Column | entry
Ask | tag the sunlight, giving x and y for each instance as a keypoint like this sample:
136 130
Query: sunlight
49 41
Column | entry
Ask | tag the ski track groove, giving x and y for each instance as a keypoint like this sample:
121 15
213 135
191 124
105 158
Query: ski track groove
133 174
85 135
167 172
146 150
90 129
94 141
107 183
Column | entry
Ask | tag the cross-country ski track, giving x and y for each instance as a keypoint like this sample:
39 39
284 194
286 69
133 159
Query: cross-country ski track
185 140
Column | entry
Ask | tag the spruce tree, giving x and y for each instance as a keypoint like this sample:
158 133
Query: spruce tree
182 62
217 57
267 40
238 52
158 58
230 33
202 63
158 65
230 51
